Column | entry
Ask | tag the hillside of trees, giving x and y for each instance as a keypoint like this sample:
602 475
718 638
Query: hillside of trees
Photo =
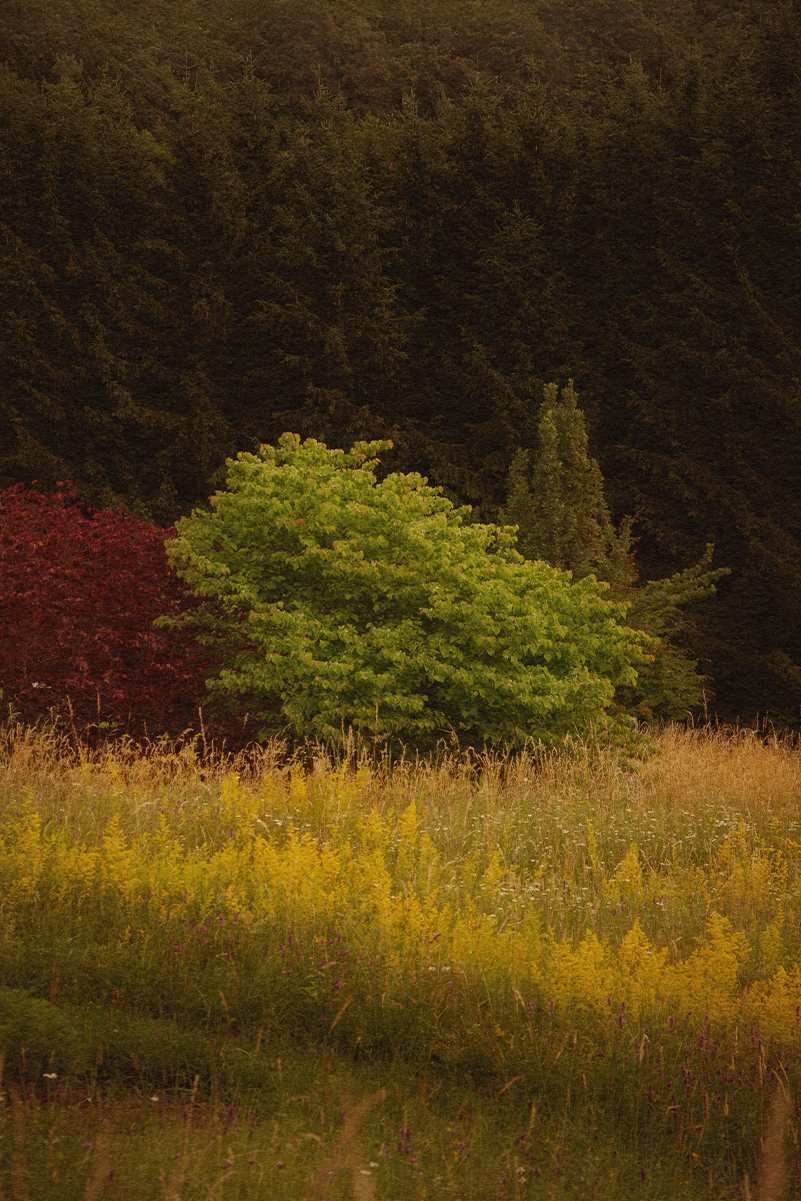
221 221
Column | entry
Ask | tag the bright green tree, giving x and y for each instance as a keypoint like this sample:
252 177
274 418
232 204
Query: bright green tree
561 515
373 606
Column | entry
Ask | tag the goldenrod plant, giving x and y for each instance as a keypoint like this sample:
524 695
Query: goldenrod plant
560 974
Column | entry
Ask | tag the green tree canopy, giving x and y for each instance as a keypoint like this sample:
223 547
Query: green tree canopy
373 605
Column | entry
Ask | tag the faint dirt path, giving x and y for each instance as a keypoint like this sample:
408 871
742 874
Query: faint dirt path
347 1152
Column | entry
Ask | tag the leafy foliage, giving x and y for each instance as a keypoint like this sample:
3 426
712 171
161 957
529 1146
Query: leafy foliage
373 605
562 517
78 596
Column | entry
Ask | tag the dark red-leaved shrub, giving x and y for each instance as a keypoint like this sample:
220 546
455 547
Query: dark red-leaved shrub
78 596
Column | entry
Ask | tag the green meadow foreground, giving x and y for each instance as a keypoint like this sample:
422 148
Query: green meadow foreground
556 976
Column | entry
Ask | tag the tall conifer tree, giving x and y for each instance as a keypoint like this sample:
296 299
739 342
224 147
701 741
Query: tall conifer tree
558 505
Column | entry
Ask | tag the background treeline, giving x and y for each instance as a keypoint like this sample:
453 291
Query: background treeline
221 221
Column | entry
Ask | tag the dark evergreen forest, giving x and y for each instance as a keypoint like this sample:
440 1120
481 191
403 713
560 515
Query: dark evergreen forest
221 220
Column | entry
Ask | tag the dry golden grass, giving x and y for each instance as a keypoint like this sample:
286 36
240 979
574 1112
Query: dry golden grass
742 770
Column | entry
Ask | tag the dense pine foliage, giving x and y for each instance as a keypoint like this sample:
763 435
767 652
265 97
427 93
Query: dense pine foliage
222 221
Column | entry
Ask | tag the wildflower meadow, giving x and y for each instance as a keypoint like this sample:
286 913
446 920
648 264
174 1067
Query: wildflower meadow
565 973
